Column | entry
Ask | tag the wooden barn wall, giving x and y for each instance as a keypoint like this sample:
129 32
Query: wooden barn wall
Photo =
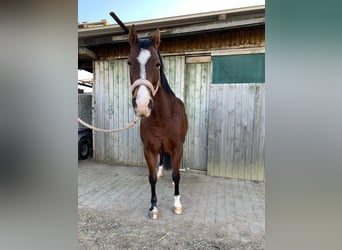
112 109
208 41
198 77
237 131
175 74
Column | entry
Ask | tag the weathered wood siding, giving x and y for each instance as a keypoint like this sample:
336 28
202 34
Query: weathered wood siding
174 68
112 109
244 37
198 77
237 131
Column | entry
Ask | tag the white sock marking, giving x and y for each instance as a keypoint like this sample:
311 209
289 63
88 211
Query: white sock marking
160 171
177 201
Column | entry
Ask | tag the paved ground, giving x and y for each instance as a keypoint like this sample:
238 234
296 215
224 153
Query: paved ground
218 213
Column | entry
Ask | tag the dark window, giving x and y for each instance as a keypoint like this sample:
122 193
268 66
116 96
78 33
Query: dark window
249 68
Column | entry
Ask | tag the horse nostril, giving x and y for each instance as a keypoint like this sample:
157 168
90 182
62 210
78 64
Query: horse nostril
134 102
150 104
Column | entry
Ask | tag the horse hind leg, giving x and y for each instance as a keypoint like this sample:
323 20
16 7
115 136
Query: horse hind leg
164 162
160 171
160 168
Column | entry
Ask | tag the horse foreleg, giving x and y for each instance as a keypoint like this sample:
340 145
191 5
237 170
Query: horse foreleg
177 206
153 212
151 160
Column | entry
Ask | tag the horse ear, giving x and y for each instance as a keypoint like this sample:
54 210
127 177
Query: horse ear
156 38
133 36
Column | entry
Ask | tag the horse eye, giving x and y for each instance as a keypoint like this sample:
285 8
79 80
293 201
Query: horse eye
158 65
129 62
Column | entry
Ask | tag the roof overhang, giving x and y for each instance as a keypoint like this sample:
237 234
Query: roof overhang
92 36
176 26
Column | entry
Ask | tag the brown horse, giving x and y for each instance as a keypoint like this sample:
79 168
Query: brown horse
164 122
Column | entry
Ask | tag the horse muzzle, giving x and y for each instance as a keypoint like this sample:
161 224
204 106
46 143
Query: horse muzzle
142 107
142 102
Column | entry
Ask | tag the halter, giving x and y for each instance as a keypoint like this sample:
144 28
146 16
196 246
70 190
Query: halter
146 83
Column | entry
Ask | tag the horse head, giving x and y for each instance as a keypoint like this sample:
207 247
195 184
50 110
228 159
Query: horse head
144 71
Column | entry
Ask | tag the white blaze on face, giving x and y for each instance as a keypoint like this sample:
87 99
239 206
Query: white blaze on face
143 57
143 95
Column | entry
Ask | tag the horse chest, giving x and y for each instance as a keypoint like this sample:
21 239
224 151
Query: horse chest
159 133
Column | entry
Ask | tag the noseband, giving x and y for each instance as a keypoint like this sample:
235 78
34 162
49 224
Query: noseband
146 83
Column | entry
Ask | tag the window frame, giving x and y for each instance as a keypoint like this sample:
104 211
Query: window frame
235 52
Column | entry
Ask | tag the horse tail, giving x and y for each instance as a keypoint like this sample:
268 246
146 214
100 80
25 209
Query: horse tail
165 160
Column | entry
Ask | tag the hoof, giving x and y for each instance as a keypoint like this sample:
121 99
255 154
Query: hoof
153 214
177 210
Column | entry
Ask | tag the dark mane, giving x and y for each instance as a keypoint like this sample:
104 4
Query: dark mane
163 80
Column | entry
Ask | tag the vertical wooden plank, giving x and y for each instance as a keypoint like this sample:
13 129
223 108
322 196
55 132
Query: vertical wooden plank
219 143
116 107
196 102
97 110
244 132
256 131
212 135
250 125
123 112
189 144
215 134
196 95
95 113
106 110
230 128
261 165
240 135
180 80
100 109
206 78
236 143
110 112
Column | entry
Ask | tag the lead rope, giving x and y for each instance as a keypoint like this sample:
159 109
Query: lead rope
129 125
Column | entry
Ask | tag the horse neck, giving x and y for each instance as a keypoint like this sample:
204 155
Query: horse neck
163 107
